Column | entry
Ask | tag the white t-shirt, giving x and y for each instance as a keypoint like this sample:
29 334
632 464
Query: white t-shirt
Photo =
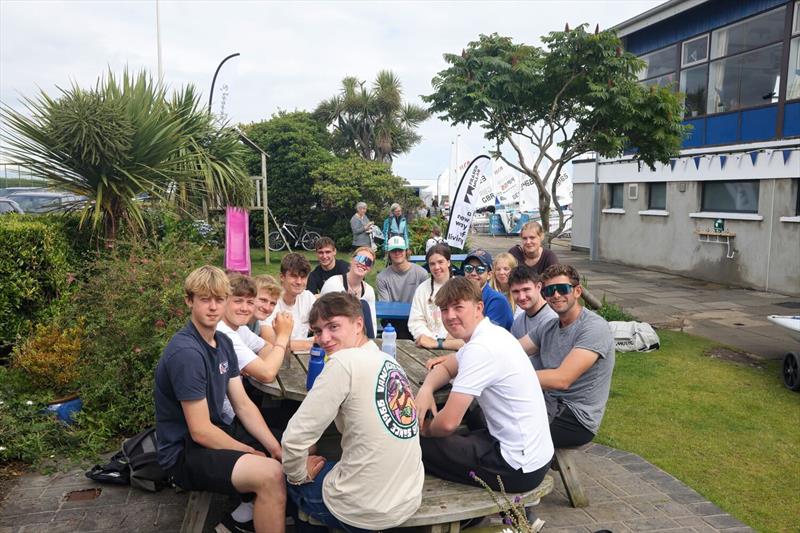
246 353
336 284
300 310
494 368
425 317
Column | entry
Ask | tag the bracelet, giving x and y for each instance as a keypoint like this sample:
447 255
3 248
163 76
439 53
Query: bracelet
439 343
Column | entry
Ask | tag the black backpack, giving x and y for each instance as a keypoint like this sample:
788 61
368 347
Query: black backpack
136 464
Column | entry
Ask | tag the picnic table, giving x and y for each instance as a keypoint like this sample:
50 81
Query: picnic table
420 259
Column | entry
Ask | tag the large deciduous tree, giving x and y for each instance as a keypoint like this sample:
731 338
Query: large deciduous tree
578 94
123 140
372 122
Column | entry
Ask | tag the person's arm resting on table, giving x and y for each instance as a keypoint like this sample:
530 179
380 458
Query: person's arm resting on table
270 358
578 361
448 419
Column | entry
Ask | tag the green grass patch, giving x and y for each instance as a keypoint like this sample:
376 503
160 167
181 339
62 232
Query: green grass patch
728 430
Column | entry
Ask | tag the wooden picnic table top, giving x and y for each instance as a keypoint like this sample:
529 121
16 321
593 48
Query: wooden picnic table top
291 382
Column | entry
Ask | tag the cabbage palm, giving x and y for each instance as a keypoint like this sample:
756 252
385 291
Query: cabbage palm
124 139
373 122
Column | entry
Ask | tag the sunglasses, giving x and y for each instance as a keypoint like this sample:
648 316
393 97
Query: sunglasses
364 260
561 288
480 269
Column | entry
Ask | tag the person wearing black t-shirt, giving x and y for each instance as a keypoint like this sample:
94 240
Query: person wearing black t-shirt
328 266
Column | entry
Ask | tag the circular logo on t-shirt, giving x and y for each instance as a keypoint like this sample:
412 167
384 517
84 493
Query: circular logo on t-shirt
395 401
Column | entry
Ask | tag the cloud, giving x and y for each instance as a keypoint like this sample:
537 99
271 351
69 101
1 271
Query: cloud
293 54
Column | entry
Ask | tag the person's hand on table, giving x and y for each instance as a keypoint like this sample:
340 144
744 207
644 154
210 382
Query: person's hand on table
314 464
433 361
427 342
283 324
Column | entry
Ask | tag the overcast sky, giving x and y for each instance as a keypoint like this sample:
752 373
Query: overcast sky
293 54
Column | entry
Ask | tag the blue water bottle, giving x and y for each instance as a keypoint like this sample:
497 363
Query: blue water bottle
315 365
389 345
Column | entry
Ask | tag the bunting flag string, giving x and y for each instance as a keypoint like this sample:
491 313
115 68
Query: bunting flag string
722 160
786 154
697 159
754 157
673 161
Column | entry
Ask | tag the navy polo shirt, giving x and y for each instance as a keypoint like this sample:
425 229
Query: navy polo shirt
190 369
496 307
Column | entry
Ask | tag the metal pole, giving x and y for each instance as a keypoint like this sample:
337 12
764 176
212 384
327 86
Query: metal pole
595 222
265 206
214 79
158 44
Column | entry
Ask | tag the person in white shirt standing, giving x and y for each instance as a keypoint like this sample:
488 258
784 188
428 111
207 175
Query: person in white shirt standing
295 299
493 368
425 319
377 484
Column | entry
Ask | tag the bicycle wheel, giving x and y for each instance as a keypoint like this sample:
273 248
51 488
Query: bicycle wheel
309 240
275 241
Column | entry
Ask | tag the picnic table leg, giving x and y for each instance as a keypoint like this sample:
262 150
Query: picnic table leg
569 475
196 511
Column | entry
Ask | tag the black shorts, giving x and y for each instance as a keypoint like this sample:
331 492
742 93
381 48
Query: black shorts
199 468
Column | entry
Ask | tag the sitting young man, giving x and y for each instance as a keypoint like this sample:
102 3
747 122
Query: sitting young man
268 291
399 281
526 287
328 266
493 368
574 360
477 269
196 447
377 484
295 299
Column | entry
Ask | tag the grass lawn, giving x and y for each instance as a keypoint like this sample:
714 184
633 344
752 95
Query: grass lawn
728 430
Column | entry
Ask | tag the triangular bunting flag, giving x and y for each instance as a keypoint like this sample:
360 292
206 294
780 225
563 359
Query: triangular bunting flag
786 154
673 161
754 157
697 159
722 160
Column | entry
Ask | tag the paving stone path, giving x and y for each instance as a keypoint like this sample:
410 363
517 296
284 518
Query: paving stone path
626 493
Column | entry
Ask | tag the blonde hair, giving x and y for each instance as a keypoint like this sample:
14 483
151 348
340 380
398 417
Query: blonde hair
364 249
207 281
532 225
512 263
268 283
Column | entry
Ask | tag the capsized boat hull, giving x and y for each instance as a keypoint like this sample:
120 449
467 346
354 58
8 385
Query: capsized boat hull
788 322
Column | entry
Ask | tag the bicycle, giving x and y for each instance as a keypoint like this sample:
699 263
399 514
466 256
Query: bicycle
302 236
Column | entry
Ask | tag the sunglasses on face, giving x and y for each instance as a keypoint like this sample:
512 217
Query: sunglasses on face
561 288
364 260
480 269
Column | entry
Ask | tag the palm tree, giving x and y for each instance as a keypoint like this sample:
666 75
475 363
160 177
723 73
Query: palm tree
373 122
122 140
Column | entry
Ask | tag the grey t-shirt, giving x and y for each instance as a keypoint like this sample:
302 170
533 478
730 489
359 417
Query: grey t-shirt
394 286
587 396
523 324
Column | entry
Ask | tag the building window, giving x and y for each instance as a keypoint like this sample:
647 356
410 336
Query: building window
793 80
796 22
657 196
694 51
730 196
745 80
749 34
693 84
616 193
659 67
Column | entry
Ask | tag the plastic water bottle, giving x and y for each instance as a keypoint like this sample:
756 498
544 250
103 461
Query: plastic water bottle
315 365
389 345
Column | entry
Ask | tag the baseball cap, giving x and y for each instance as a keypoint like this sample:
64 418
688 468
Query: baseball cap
481 255
395 243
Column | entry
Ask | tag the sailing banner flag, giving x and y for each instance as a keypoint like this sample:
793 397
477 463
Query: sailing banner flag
464 203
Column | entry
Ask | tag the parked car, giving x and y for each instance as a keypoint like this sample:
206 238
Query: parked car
7 205
37 200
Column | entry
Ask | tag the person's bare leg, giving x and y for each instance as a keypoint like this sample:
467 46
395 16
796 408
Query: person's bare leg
264 476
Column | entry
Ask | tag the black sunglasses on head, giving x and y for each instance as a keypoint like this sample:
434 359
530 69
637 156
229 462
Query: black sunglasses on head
561 288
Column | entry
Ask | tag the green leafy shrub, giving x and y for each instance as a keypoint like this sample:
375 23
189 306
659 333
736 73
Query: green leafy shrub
35 270
49 356
613 312
133 303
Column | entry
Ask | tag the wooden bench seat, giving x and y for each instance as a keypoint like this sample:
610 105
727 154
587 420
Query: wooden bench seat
445 504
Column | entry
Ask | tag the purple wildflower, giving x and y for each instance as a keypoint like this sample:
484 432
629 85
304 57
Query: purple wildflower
507 521
472 474
517 499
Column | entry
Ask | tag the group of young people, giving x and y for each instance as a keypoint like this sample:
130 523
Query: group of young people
521 385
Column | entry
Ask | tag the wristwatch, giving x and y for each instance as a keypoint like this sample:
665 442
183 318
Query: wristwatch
439 344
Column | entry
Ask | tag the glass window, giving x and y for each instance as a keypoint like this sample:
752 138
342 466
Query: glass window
658 63
616 194
657 196
694 82
745 80
796 24
751 33
661 81
730 196
793 80
695 51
